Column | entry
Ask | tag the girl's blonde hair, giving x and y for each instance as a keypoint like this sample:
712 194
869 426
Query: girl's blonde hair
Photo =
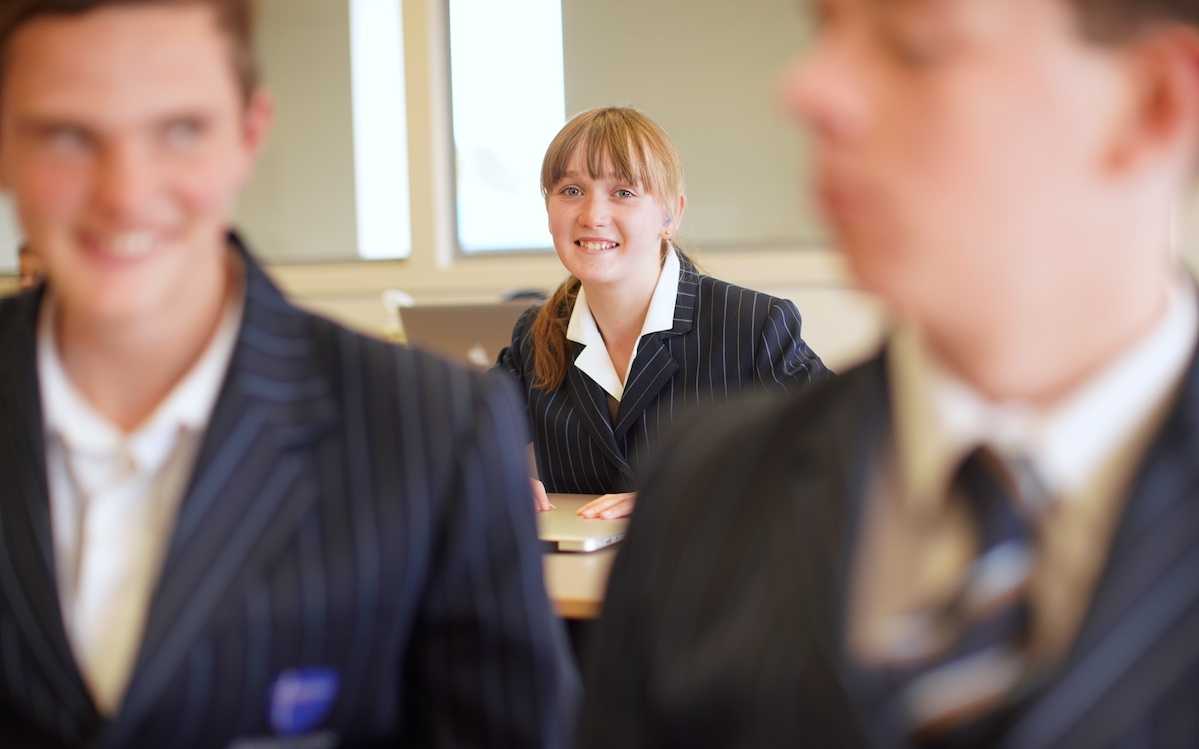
614 141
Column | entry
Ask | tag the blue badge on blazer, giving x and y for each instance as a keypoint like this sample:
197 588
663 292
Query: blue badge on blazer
301 698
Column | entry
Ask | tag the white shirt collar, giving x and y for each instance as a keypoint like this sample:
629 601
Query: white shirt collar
69 417
594 360
938 417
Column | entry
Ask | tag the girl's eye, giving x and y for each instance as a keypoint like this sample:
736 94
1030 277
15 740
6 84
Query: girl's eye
571 191
625 194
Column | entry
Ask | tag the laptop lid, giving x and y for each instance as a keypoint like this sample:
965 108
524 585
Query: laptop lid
564 527
466 333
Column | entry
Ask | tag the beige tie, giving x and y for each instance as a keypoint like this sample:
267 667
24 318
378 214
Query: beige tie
114 581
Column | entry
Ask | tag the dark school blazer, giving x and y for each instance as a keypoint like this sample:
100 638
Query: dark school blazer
725 339
355 559
726 627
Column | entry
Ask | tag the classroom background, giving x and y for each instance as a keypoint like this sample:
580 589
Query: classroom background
409 135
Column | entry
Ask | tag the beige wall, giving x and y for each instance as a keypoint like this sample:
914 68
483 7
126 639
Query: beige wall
708 72
300 205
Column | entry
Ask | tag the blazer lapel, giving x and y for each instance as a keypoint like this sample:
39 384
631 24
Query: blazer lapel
254 481
687 298
857 445
591 403
653 367
1148 589
28 583
1137 637
655 363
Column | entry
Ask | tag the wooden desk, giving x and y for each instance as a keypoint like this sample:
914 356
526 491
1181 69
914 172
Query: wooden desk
576 581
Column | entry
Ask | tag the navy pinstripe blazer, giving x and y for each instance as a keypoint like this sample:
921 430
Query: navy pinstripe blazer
355 507
725 339
726 627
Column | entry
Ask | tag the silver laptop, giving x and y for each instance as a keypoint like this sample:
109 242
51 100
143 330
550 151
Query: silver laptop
569 532
467 333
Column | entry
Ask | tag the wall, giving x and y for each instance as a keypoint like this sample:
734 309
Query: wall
709 73
300 205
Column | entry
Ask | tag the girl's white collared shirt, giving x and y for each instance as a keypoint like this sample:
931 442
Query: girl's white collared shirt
594 360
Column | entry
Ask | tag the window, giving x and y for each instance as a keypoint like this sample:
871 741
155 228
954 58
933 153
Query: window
380 129
509 100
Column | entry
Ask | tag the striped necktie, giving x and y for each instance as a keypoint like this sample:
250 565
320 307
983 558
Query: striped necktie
965 661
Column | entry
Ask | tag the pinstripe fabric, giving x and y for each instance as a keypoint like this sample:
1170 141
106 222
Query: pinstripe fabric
356 506
725 339
726 627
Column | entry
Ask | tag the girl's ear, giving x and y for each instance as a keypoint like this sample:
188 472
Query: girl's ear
673 224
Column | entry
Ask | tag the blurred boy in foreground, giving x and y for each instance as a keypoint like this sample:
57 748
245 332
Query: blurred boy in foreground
988 534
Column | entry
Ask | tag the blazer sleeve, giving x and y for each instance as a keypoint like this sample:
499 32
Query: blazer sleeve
633 660
490 656
719 628
782 358
513 359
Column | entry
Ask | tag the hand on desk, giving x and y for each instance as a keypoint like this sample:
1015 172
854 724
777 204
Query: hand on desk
541 502
609 506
